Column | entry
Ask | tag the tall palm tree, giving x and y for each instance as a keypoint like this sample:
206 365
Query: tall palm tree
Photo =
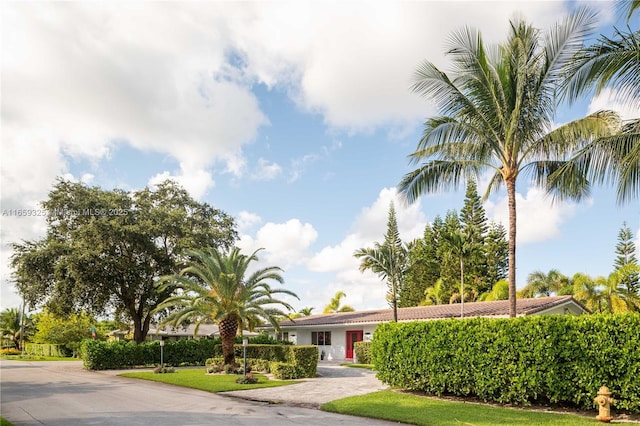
461 245
497 110
610 62
334 304
215 287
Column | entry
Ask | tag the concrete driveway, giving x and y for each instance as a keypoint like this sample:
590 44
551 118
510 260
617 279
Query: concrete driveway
333 382
63 393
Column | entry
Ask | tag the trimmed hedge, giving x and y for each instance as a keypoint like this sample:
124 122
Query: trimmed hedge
120 354
46 349
543 359
285 371
363 352
99 355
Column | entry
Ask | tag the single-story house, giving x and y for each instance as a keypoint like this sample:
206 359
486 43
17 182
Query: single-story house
336 333
168 332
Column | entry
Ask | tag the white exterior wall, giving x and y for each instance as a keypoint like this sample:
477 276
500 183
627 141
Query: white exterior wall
338 348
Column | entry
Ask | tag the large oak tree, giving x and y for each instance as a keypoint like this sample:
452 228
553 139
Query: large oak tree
105 249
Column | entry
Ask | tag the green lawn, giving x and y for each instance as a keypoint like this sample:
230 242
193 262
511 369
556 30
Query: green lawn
37 358
413 409
197 379
5 422
367 366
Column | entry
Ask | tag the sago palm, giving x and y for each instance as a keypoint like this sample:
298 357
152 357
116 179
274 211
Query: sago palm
215 287
497 115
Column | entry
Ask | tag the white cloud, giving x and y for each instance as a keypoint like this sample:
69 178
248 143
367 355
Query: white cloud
610 99
266 170
246 221
196 181
285 244
538 219
365 289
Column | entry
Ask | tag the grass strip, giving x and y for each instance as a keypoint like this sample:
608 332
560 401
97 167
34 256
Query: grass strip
367 366
419 410
5 422
37 358
198 379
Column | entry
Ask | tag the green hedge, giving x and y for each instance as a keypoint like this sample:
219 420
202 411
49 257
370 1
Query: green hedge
542 359
99 355
363 352
46 349
120 354
284 370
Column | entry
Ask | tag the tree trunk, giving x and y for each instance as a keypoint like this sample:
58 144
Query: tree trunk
395 302
461 288
511 194
228 329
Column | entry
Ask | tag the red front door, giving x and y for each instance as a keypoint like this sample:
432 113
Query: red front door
352 337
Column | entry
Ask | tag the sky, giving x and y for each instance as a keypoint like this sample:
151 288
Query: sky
295 118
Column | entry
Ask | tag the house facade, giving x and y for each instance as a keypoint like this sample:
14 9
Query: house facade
335 334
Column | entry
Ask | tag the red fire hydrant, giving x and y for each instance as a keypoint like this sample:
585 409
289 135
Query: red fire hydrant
604 400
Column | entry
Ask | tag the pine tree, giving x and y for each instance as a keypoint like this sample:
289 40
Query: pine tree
497 254
423 269
475 225
389 260
626 265
626 248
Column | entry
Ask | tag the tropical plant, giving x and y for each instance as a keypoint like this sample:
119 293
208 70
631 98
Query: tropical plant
306 311
436 294
498 111
68 332
611 62
500 291
105 249
462 246
388 260
334 304
10 326
216 287
589 292
540 284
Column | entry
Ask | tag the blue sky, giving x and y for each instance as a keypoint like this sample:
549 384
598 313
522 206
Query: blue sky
294 117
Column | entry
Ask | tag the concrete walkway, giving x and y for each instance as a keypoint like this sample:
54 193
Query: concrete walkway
333 382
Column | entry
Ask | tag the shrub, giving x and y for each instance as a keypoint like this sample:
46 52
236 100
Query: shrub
164 370
247 380
284 371
543 359
46 349
10 351
363 352
305 358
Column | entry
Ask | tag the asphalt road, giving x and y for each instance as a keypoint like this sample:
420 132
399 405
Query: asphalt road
64 394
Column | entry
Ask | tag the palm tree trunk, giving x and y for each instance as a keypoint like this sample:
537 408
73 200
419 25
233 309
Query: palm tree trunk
395 302
511 194
461 288
228 329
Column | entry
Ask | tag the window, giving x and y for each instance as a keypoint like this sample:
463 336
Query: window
285 336
321 338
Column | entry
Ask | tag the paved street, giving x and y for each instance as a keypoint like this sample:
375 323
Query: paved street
62 393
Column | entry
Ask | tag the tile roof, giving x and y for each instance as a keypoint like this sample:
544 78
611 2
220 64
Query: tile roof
498 308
